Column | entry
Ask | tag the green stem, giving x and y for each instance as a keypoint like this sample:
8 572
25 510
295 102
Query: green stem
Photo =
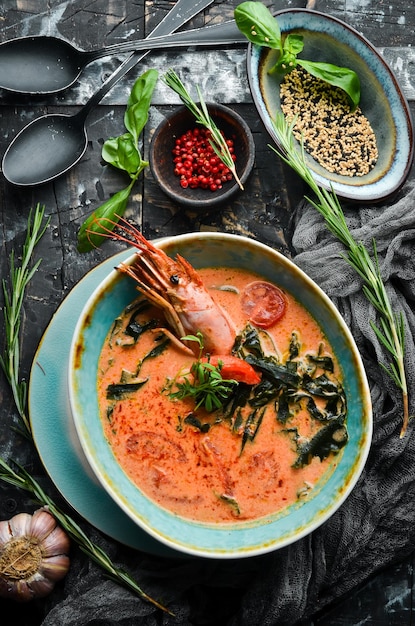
10 363
13 303
202 117
391 331
23 480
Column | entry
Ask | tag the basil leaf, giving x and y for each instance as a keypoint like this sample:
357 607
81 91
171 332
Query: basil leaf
294 43
341 77
136 115
122 153
287 61
258 24
109 151
91 233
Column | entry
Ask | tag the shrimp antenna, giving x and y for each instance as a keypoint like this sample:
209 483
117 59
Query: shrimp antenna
108 231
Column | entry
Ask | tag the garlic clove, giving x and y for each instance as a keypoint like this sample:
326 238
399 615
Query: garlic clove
21 591
20 524
5 533
56 542
42 524
40 586
4 588
54 567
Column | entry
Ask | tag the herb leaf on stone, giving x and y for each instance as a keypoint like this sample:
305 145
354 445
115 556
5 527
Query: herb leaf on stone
260 27
90 233
136 114
123 153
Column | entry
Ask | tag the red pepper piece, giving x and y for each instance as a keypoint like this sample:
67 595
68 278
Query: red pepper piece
236 368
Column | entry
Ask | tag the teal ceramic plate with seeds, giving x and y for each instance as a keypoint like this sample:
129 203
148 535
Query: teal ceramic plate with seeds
384 111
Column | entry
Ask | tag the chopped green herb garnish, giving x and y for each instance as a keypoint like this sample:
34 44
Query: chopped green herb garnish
231 501
204 383
291 384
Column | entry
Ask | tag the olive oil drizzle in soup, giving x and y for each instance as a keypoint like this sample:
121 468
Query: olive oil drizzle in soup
268 447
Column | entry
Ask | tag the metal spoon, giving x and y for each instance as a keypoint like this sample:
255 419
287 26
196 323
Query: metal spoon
45 65
52 144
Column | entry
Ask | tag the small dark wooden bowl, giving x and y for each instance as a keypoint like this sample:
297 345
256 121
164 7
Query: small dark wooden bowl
161 157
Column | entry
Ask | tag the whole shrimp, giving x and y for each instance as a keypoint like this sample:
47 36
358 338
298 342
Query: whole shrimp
174 286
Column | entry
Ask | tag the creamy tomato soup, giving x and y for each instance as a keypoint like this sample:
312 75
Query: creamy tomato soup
267 447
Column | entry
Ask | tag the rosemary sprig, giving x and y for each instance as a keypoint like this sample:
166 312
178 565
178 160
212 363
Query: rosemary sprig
20 277
22 479
201 113
390 331
10 363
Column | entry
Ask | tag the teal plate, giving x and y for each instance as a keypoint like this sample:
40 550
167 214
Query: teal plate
240 539
53 430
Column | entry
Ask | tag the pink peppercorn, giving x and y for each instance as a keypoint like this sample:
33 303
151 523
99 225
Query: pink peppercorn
196 163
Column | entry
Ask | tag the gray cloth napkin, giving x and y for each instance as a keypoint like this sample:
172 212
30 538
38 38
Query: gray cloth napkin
373 527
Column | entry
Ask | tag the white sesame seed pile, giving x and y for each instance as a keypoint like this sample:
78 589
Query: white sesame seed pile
340 140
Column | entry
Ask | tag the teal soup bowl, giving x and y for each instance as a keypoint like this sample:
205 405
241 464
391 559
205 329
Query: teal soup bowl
234 539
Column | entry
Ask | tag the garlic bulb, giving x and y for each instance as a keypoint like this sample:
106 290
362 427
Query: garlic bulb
33 555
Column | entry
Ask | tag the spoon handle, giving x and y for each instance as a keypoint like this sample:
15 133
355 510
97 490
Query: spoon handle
179 14
215 35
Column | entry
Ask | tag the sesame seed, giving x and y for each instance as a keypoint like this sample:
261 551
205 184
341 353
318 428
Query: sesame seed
340 140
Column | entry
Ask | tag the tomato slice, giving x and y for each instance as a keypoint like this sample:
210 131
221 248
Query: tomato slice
263 303
236 368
